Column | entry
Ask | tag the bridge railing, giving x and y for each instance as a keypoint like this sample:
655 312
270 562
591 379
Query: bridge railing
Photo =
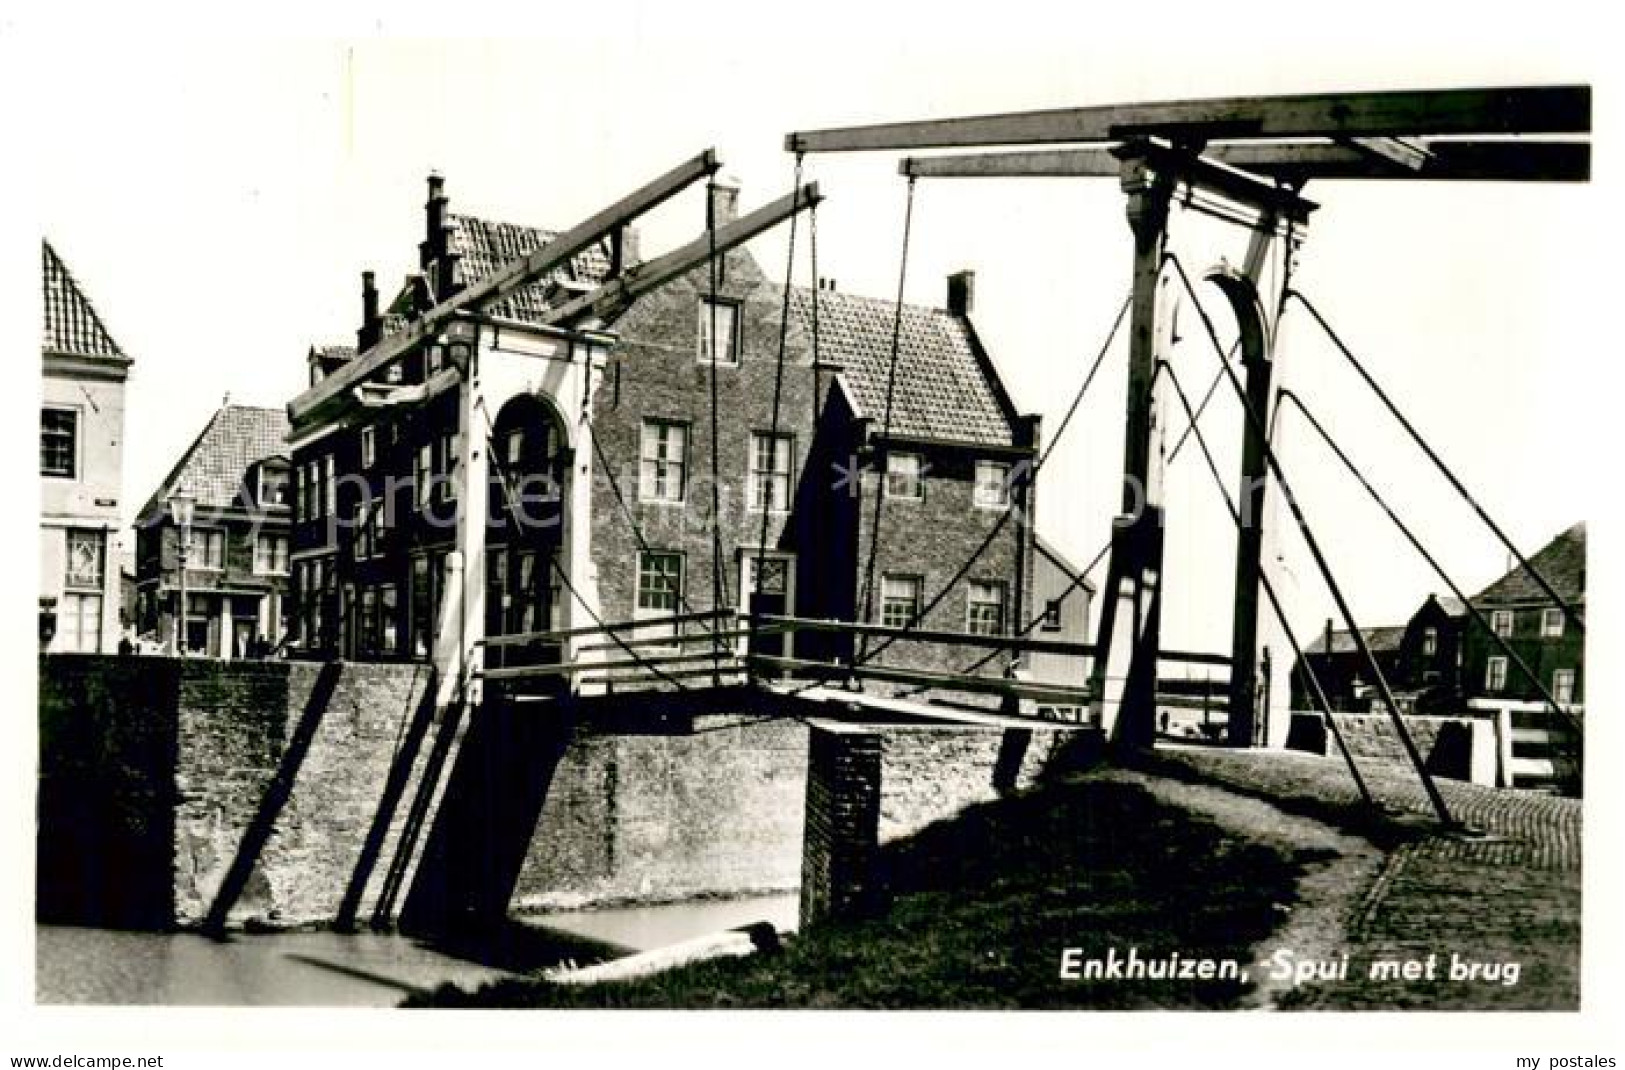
724 646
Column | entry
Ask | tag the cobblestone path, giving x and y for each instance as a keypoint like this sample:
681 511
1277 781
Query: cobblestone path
1509 901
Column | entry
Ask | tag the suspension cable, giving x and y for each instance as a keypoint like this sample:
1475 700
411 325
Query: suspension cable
1410 536
1004 517
719 582
1416 436
1370 661
778 395
1316 691
885 424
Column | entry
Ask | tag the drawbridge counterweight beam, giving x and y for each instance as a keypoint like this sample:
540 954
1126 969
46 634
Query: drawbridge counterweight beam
1563 109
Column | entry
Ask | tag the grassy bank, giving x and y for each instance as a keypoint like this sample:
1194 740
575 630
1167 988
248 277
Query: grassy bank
982 907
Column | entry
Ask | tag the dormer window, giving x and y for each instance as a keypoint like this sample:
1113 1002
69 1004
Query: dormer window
273 485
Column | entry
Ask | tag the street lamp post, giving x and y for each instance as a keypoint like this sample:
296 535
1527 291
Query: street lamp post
181 506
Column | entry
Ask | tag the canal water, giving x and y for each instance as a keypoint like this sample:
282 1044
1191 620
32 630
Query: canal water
104 966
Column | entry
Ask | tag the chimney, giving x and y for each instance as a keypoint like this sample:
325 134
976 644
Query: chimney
367 336
962 292
724 201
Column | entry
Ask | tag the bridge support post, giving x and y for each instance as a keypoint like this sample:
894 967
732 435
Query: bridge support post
1125 673
841 843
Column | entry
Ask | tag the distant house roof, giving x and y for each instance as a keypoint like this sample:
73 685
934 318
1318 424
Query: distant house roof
1452 606
1384 640
1072 571
486 245
71 324
337 354
1563 564
216 463
945 388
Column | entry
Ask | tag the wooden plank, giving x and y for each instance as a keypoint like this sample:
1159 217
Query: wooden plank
946 681
1562 109
1404 154
526 638
1461 161
652 666
512 276
645 277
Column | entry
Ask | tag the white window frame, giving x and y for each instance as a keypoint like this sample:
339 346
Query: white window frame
423 474
914 598
981 500
1563 685
1052 615
655 468
369 446
642 612
73 582
1551 623
1502 621
78 607
754 475
74 448
266 556
1430 642
972 602
727 312
1495 674
197 554
260 493
898 482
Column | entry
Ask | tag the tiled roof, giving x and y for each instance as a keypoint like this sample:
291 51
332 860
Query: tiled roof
71 324
485 245
943 389
1381 641
1562 562
214 466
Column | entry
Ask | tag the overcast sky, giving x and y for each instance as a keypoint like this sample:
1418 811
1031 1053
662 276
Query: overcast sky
217 201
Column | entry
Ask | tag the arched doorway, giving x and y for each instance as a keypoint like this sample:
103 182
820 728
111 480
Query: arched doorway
525 530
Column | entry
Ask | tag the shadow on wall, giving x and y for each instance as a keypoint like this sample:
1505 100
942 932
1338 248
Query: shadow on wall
106 804
486 818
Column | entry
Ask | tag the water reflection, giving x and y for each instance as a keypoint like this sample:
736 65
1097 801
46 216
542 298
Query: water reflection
104 966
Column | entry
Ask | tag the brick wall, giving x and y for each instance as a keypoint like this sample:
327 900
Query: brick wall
1461 748
289 785
161 781
839 877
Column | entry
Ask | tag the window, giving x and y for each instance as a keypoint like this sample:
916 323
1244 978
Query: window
423 474
1551 623
450 457
79 623
310 500
769 484
1563 685
369 447
329 488
271 555
726 316
1495 675
992 485
903 476
208 550
1501 622
59 443
273 488
1430 642
660 582
361 533
1052 615
984 613
899 601
86 554
388 619
434 360
664 473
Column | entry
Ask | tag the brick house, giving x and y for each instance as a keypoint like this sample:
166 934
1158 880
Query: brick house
608 423
81 468
1534 626
236 585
